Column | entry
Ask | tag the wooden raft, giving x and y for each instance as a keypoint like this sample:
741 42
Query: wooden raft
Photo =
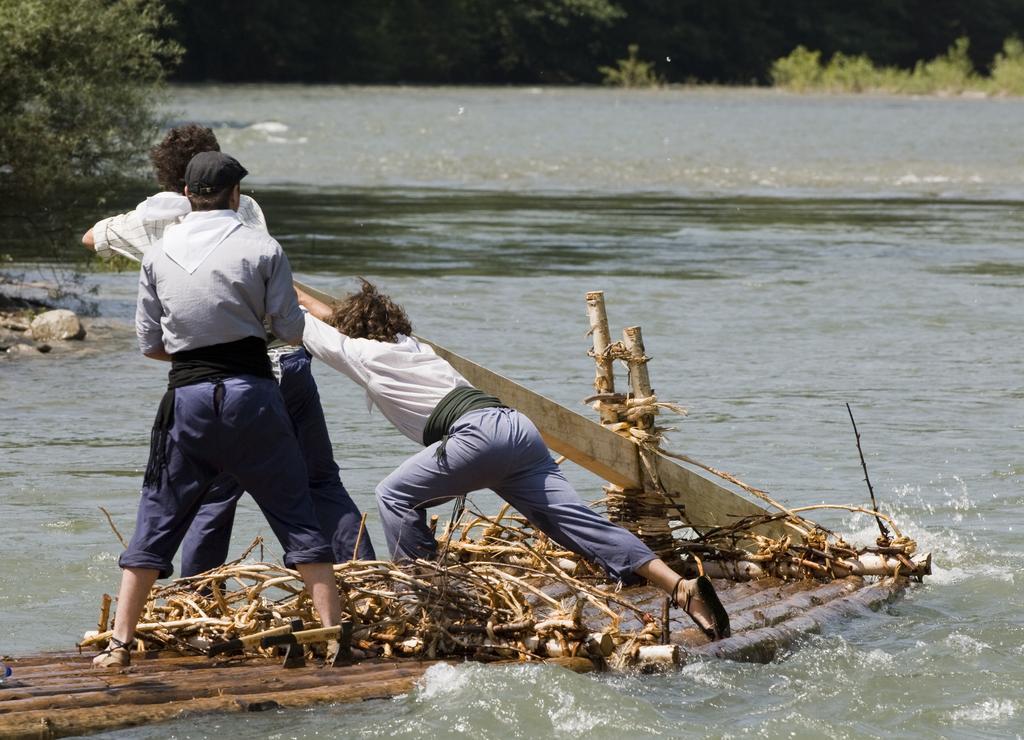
60 694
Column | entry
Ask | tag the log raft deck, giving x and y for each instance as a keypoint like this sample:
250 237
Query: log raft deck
60 694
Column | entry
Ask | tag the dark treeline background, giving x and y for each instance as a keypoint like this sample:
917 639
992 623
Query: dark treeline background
564 41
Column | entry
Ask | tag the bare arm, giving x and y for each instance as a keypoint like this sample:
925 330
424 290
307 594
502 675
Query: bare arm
316 307
88 241
159 354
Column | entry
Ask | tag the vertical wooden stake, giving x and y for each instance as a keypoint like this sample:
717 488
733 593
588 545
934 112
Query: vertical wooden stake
104 614
652 522
639 379
604 381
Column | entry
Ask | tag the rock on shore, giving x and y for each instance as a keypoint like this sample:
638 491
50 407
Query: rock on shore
21 333
57 325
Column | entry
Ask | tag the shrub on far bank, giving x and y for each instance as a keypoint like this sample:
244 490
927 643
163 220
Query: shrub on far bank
950 74
801 71
1007 76
631 72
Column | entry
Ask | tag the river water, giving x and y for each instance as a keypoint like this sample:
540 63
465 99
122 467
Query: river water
784 255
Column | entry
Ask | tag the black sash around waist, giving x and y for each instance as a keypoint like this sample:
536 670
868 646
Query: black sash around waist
448 410
204 364
218 361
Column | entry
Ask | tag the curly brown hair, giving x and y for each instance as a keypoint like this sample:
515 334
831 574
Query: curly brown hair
368 314
171 156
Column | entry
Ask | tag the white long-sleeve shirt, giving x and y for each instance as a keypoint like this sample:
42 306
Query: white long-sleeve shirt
212 280
132 234
404 379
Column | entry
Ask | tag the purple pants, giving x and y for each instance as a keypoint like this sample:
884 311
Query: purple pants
237 427
208 539
502 450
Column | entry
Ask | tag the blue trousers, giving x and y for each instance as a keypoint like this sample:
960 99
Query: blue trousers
238 427
502 450
206 544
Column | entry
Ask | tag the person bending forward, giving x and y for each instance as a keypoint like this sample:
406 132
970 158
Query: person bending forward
472 441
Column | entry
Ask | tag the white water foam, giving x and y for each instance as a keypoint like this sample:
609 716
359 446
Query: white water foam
269 127
440 680
989 710
966 644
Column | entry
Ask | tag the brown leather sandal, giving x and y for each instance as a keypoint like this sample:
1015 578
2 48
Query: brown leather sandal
719 627
116 654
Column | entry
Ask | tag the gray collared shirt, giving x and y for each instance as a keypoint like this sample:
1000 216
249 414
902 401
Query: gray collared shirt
245 278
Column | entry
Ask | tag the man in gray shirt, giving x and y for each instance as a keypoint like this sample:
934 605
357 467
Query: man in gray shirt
203 295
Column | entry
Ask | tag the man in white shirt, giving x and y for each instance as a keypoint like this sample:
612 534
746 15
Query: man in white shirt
132 235
472 441
204 293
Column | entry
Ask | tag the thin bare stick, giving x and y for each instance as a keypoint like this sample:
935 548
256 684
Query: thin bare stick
359 537
110 521
864 465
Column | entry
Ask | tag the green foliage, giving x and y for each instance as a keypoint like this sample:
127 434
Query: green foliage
846 73
949 74
115 263
799 71
631 72
1008 68
565 41
78 95
389 41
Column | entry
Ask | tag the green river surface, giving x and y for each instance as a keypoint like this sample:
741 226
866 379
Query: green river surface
784 255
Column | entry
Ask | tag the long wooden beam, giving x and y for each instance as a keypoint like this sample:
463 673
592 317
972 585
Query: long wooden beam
600 450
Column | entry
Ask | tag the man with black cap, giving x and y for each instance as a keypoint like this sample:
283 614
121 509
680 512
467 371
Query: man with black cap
203 295
134 233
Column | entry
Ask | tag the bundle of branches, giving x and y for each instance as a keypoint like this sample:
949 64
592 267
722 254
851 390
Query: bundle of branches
509 539
818 553
482 599
498 590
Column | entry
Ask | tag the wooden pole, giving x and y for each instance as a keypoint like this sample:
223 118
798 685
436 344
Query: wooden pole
604 381
652 525
101 625
639 378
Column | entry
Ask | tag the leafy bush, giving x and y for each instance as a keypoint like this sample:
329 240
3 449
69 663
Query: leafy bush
1008 68
846 73
78 95
631 72
951 73
800 71
79 85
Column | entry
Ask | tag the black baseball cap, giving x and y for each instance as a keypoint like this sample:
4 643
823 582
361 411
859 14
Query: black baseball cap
211 172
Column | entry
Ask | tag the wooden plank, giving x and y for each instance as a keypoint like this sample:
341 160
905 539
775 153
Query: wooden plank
599 450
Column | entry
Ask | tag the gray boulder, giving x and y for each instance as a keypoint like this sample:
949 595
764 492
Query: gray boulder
25 348
55 325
